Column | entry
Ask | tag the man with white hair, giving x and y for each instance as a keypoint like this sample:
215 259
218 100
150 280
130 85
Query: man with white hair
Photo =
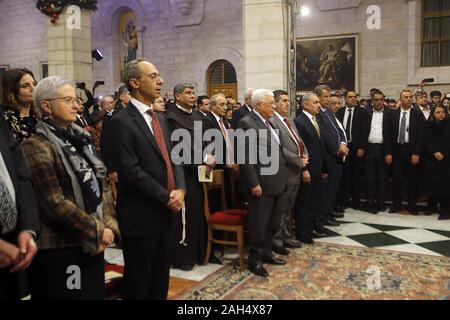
244 110
262 188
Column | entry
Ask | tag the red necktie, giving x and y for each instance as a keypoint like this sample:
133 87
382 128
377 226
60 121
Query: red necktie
230 152
159 137
296 137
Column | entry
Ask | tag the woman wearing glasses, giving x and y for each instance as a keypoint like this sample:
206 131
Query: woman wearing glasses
75 210
17 87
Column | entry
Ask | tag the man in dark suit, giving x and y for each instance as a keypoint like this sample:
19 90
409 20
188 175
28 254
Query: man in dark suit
354 119
296 157
335 151
307 205
151 188
203 106
244 110
376 170
262 183
405 132
18 215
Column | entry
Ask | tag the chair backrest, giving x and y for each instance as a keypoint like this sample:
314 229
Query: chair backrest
218 183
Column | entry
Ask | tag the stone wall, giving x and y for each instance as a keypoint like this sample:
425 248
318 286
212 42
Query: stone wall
23 35
383 53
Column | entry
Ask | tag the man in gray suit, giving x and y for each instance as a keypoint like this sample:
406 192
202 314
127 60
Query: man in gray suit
296 156
262 181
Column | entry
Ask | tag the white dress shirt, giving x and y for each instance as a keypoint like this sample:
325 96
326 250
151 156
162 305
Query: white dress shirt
143 109
426 112
408 112
279 116
347 112
376 127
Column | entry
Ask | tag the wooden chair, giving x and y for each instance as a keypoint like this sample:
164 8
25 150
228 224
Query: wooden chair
224 220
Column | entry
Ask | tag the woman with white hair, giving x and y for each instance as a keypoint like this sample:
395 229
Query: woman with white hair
75 210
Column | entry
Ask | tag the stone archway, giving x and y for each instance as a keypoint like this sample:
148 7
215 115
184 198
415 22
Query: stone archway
228 54
111 15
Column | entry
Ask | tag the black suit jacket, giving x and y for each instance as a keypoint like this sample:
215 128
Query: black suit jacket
251 174
209 122
20 177
142 187
417 131
313 142
238 115
359 127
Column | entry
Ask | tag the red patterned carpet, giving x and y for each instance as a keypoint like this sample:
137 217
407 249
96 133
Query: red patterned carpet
335 272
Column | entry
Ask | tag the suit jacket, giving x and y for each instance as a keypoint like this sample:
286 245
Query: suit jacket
200 114
251 174
387 113
238 115
25 197
142 187
210 122
417 131
332 137
313 142
359 127
289 145
106 142
81 124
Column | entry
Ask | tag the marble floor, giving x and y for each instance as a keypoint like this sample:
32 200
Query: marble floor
394 232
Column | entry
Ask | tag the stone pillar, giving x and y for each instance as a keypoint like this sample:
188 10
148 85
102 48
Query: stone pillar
266 40
69 51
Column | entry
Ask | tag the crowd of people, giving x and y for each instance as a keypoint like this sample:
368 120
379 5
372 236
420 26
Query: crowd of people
77 176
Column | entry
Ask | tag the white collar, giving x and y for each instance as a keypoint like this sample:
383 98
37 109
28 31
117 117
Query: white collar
260 116
407 111
216 116
375 111
142 107
183 109
309 115
279 116
248 108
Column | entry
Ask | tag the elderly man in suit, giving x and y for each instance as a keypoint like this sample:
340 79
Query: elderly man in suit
403 145
307 206
296 157
262 182
151 188
18 215
335 151
244 110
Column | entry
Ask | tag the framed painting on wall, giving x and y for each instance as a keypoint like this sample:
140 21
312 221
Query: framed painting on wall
332 61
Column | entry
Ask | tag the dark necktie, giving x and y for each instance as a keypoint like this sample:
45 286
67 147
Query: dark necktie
296 137
8 211
402 138
159 137
348 127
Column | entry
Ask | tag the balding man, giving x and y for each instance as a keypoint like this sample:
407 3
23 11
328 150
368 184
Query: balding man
151 188
262 186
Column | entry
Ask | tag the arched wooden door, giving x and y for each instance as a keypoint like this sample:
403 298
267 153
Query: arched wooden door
222 79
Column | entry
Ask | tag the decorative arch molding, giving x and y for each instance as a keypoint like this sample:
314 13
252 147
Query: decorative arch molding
114 10
229 54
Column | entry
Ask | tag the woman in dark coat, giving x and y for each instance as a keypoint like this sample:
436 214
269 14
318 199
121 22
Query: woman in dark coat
17 109
437 160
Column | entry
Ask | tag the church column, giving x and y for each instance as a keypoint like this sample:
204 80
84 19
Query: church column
69 49
266 27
